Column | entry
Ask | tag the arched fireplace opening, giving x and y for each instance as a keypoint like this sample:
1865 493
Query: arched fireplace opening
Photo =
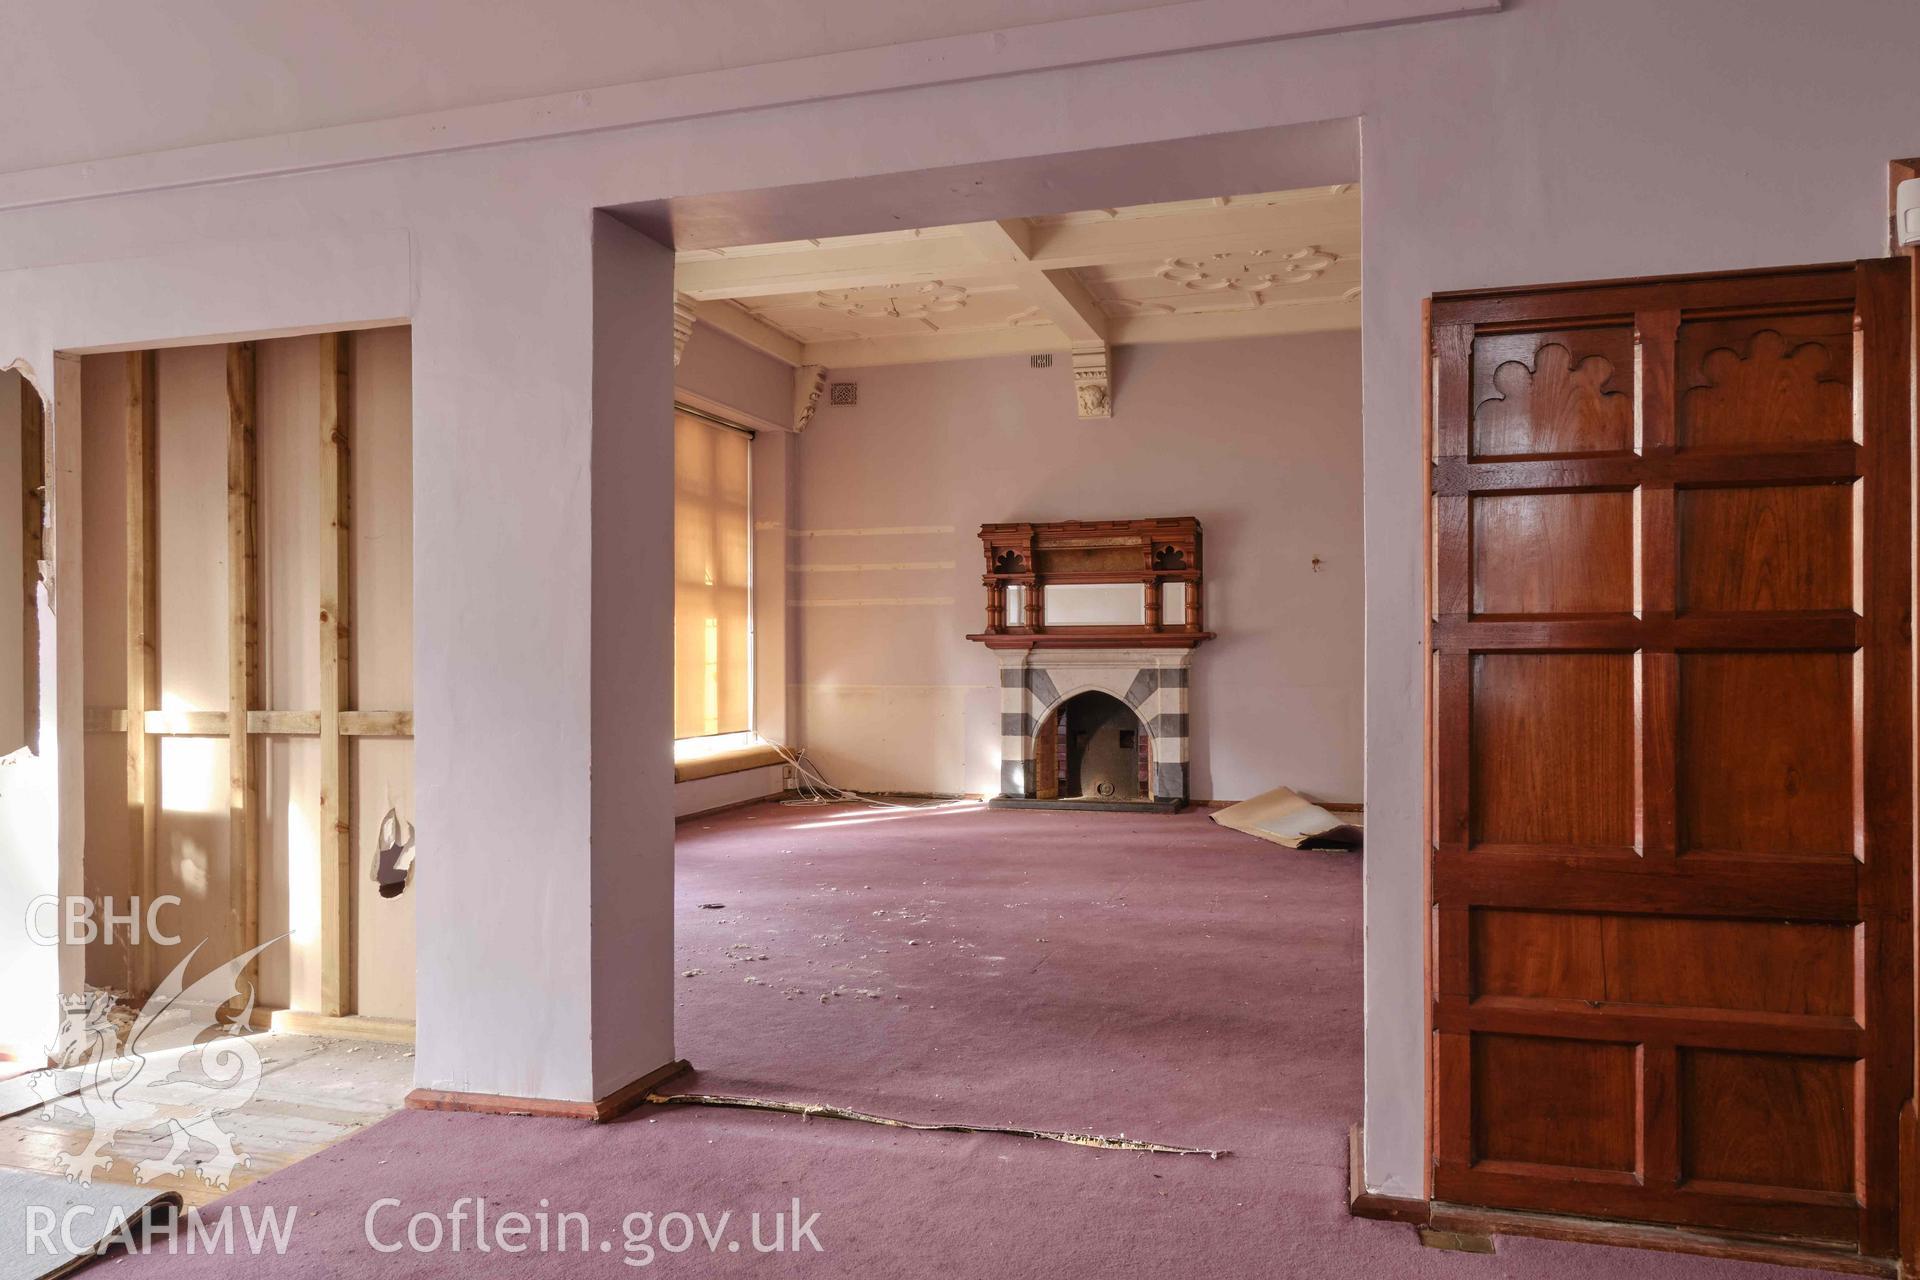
1093 747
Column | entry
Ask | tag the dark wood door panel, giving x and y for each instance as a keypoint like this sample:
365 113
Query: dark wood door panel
1766 548
1689 962
1670 735
1546 392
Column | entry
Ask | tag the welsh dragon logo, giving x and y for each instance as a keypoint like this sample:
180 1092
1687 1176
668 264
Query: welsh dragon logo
181 1069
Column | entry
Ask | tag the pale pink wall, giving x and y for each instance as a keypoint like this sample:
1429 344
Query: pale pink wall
1259 438
1558 139
718 367
210 70
629 488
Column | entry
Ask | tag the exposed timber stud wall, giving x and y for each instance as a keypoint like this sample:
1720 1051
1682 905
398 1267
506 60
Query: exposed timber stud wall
143 657
336 683
204 671
243 651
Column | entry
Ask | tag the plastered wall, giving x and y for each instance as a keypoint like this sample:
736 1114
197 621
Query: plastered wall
191 531
1259 438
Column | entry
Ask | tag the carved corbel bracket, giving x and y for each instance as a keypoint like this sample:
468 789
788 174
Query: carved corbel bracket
683 317
809 384
1092 380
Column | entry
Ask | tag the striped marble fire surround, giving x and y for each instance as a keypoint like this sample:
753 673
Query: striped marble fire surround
1034 682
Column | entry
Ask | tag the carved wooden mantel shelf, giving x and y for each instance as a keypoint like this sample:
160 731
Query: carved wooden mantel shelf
1161 557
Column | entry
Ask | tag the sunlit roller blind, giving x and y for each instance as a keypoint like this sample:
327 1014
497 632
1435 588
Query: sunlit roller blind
712 526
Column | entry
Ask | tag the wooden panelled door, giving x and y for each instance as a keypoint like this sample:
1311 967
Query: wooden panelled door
1671 747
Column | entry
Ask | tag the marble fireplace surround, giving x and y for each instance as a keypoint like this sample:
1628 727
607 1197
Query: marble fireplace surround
1034 682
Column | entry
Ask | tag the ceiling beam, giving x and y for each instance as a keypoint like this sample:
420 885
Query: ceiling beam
828 267
1060 296
920 348
993 250
1066 302
1254 322
743 326
1329 222
1008 240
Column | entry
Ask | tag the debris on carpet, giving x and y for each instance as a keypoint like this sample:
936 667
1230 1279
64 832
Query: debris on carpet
806 1109
1288 818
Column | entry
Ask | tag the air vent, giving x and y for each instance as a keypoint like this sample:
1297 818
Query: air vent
843 393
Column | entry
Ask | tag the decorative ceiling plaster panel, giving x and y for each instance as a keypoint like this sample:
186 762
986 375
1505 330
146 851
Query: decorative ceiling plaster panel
1192 270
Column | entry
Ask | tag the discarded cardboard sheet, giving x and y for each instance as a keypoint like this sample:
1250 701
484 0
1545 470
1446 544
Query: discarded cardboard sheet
1288 818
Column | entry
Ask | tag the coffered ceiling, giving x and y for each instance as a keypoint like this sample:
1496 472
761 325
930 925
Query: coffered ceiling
1235 266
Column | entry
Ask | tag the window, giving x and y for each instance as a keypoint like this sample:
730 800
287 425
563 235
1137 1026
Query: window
712 618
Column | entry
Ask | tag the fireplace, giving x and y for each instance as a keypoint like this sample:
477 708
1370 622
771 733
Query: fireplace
1094 624
1093 747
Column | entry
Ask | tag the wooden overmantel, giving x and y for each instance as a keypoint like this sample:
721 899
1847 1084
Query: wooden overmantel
1030 556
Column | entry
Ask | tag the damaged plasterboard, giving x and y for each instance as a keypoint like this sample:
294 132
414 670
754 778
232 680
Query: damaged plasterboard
1288 818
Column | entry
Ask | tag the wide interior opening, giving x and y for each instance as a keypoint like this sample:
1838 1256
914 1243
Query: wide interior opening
1051 529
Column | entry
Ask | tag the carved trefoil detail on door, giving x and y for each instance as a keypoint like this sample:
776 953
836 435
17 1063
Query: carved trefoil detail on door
1557 405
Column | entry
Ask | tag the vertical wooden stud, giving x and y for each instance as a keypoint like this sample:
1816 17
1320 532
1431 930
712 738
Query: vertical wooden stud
143 665
243 653
33 482
66 718
336 681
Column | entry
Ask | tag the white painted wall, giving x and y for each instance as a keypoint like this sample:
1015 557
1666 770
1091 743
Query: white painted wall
1560 139
629 490
724 790
1259 438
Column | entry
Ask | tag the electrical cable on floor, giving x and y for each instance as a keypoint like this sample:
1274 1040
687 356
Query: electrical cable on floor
815 790
805 1109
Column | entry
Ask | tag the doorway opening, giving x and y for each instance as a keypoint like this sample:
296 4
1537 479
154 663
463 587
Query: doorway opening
1038 378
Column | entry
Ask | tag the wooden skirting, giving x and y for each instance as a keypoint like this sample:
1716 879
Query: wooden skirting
615 1104
1362 1203
1634 1235
1463 1220
349 1027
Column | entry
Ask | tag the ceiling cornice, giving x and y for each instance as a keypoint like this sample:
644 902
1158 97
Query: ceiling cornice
1106 38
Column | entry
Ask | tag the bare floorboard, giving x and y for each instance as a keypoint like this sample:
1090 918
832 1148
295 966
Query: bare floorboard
314 1091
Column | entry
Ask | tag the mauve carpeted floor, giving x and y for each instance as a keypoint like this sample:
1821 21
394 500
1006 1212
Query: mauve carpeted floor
1149 976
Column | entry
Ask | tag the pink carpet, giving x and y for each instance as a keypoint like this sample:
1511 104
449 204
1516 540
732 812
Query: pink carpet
1149 976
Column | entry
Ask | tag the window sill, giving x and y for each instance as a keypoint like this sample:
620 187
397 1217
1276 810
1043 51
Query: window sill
737 761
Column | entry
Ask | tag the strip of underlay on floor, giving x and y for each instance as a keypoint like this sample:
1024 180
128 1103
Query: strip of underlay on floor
864 1117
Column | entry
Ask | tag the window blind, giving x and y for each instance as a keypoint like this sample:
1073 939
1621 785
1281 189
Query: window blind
712 531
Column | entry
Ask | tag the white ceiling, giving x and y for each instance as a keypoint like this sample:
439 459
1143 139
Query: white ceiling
1234 266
